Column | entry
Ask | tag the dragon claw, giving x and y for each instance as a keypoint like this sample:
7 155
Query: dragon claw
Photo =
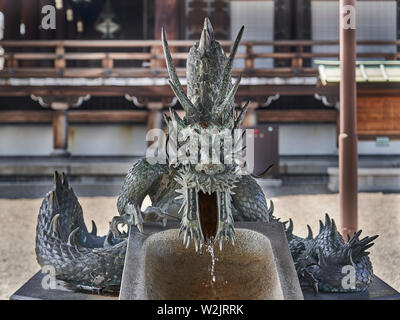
304 273
133 216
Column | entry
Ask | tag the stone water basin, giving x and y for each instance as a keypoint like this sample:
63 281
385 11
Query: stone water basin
257 267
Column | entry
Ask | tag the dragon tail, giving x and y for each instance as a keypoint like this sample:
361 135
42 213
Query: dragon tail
79 258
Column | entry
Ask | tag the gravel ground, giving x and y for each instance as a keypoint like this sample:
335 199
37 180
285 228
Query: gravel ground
378 214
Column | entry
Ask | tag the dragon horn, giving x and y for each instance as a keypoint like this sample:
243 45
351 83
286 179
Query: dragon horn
174 80
207 36
166 118
226 77
175 117
240 118
221 109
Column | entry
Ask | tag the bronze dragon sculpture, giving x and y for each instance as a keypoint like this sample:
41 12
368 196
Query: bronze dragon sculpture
179 189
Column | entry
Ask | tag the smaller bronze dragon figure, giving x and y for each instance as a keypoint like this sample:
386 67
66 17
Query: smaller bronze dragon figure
206 197
322 261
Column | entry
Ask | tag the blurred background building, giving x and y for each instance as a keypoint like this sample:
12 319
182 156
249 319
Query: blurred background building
80 98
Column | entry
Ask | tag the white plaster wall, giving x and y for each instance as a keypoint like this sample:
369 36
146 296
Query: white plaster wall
307 139
107 139
294 139
26 140
36 140
370 148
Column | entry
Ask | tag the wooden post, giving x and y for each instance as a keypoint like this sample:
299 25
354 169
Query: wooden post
297 62
220 18
348 155
165 15
107 63
60 129
249 61
30 17
59 63
61 23
282 28
195 20
250 119
154 120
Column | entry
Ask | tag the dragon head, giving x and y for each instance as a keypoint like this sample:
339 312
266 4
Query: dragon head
207 142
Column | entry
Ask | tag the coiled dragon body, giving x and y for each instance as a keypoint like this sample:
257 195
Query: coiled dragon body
206 197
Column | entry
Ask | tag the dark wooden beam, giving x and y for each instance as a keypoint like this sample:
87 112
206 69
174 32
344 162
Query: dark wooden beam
304 116
8 117
45 117
256 92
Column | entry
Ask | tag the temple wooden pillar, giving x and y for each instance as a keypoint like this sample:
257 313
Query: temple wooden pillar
60 128
12 19
348 154
166 13
30 18
282 28
220 19
1 10
154 119
45 34
70 22
250 119
195 19
61 22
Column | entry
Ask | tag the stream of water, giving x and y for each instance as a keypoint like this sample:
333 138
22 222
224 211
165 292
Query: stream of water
215 283
210 250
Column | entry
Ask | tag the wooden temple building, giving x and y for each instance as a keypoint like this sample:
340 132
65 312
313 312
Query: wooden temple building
92 86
